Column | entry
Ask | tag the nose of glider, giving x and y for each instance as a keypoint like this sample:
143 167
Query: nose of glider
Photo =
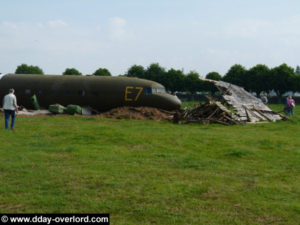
172 102
176 102
164 101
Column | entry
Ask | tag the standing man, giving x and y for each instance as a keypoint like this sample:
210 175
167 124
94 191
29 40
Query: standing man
291 105
10 108
287 107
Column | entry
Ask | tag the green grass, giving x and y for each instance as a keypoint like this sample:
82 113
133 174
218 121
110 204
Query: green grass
150 172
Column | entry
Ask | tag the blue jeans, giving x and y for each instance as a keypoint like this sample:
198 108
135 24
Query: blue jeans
292 111
287 110
8 114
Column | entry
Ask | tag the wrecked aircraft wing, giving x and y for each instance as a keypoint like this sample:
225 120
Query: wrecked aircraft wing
247 107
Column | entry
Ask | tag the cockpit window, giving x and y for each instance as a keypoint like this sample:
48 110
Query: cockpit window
81 93
148 91
158 90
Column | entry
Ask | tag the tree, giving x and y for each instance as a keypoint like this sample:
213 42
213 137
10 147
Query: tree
71 71
102 72
281 79
155 72
297 71
25 69
257 79
192 82
173 80
213 76
136 71
236 75
294 81
297 83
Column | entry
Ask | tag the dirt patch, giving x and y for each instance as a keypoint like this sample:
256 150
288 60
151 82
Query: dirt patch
139 113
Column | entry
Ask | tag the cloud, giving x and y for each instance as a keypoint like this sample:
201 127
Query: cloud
53 44
117 22
57 23
246 28
262 29
9 25
57 44
117 29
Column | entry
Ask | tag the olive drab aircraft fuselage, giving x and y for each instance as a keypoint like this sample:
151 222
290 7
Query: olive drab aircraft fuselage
99 92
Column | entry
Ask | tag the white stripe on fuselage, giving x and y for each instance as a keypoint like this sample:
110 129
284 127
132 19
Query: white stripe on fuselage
2 76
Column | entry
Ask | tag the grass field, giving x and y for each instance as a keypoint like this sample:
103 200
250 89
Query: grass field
150 172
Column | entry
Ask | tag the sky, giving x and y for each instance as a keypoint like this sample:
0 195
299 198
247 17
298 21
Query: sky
190 35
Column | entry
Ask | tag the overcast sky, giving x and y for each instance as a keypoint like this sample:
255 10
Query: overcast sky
197 35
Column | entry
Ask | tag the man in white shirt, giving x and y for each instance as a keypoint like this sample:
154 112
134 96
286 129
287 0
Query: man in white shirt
10 108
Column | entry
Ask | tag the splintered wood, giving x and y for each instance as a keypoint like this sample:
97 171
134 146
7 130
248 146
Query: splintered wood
245 108
213 112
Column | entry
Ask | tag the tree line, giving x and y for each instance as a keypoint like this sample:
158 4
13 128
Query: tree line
30 69
257 79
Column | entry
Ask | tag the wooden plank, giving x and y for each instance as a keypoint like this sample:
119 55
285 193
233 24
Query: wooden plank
218 121
214 112
264 115
232 120
248 117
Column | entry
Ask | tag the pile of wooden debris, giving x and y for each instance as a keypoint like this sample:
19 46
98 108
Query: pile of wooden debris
213 112
236 107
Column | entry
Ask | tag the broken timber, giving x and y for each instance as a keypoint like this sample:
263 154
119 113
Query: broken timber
246 108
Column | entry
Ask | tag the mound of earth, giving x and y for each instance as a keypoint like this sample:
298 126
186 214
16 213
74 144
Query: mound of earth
138 113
